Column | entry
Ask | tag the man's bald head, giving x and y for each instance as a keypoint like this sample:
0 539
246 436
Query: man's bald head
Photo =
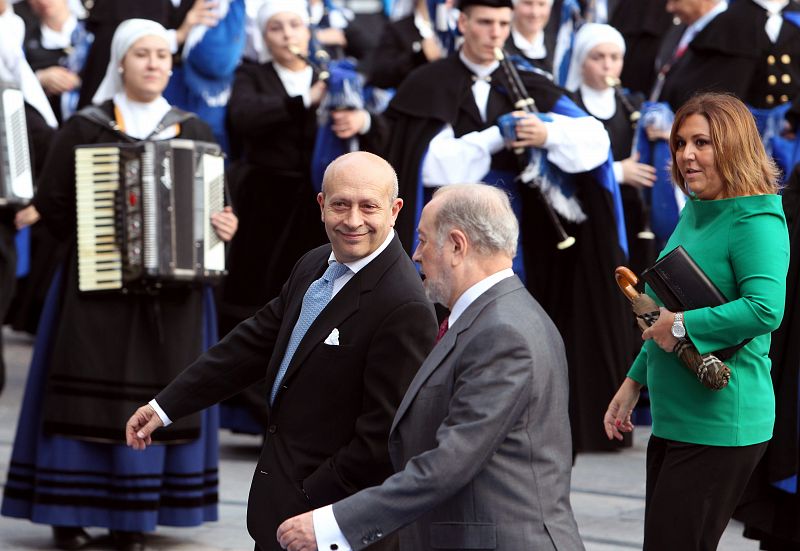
364 166
359 204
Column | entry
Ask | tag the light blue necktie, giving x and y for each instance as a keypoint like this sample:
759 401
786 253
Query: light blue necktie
316 298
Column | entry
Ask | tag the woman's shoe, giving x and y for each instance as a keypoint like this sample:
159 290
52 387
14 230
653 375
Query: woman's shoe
128 541
70 537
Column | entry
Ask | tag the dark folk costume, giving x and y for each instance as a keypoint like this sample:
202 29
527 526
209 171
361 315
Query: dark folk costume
398 53
643 24
770 508
97 357
734 54
576 287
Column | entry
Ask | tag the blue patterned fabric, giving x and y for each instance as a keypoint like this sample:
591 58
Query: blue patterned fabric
316 298
664 208
67 482
770 124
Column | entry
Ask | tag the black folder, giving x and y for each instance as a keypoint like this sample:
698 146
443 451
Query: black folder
682 285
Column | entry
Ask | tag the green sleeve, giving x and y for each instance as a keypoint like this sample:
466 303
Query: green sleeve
759 255
638 371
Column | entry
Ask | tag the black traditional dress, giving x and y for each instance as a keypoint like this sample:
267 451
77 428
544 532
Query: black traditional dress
272 137
39 136
99 356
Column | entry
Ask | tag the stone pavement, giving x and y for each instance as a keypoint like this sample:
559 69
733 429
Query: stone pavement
607 489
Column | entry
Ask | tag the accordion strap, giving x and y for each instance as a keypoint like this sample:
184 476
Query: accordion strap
102 118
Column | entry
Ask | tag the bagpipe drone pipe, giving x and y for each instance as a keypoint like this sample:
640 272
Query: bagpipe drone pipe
346 91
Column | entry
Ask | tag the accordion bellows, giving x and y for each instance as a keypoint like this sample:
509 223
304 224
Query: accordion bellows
16 177
143 214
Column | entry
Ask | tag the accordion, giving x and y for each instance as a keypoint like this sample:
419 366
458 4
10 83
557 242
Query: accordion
16 177
143 214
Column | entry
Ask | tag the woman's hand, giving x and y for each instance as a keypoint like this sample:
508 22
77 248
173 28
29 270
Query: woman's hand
26 217
57 80
347 122
317 92
637 174
225 223
202 12
661 331
618 416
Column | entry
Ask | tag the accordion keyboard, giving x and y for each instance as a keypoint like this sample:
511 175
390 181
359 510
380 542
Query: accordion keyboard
96 180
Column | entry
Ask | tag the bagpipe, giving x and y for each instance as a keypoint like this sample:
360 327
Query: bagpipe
785 150
345 91
538 174
661 201
634 115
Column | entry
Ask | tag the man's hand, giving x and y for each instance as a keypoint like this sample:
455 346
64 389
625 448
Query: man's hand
431 49
531 131
225 223
140 426
347 122
297 533
57 80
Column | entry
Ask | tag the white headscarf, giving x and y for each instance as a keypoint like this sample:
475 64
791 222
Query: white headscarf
256 48
127 33
15 69
587 37
272 7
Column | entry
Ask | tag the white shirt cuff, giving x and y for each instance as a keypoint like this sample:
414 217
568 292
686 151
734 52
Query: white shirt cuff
490 139
172 40
327 532
160 412
367 123
618 174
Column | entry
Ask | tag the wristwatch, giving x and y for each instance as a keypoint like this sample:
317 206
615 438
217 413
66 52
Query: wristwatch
678 330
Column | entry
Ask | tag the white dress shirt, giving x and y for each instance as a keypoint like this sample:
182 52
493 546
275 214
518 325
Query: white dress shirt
693 29
355 267
573 144
326 530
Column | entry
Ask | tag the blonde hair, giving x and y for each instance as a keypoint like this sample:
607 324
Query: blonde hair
739 156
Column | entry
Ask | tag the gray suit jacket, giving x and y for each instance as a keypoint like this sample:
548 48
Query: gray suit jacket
481 440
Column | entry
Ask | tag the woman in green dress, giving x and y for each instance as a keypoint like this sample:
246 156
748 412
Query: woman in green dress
705 444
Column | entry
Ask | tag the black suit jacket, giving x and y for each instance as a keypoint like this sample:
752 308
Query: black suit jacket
328 428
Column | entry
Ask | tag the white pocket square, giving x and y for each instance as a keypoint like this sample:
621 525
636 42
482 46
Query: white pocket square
333 338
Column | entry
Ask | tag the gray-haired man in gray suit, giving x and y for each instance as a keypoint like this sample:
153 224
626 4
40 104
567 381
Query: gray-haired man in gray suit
481 439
